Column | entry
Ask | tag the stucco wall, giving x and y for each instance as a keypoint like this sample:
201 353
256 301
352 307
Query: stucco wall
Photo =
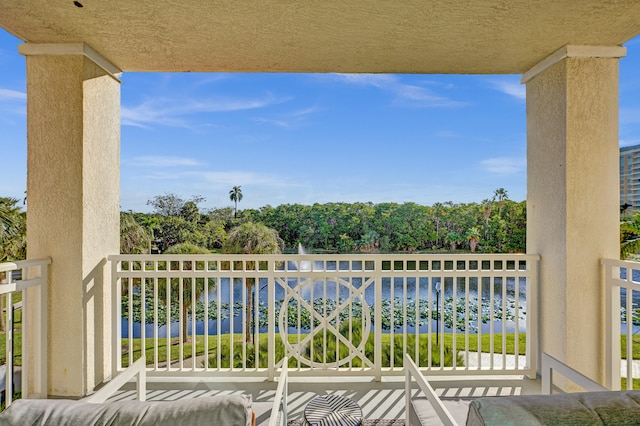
572 202
73 203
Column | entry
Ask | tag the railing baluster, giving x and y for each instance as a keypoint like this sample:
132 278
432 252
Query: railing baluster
130 307
143 317
194 340
517 323
504 321
392 313
377 336
167 285
9 336
246 319
324 322
219 324
430 325
404 315
231 323
492 330
156 329
256 325
418 305
454 331
271 323
467 324
205 338
629 330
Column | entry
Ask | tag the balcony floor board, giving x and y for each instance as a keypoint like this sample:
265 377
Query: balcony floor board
378 400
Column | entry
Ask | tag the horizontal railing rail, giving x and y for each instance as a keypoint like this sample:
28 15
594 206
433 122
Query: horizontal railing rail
354 314
18 278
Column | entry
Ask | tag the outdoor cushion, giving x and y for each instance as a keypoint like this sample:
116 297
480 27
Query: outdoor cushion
213 410
579 409
421 411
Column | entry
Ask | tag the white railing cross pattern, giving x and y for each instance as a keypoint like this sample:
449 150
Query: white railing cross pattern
325 322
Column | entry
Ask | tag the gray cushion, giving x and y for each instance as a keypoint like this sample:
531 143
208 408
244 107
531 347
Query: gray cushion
215 410
421 411
262 411
579 409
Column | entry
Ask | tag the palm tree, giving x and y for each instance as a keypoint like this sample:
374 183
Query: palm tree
500 195
150 223
12 230
235 195
474 237
12 238
9 218
134 238
188 285
252 238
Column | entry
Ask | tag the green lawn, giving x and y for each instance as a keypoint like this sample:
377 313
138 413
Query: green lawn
635 349
17 339
636 384
225 340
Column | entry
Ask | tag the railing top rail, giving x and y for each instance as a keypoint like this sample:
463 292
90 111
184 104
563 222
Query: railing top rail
351 256
621 263
12 266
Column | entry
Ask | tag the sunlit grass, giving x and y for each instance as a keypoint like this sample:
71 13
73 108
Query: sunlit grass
320 353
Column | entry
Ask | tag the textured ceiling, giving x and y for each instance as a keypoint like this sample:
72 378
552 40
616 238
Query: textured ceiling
399 36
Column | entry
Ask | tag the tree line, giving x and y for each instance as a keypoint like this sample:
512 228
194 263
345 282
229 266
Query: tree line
492 226
179 225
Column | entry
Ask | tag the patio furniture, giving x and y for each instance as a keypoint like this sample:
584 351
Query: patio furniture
596 406
332 410
233 409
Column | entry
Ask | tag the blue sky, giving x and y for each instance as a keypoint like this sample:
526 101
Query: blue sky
307 138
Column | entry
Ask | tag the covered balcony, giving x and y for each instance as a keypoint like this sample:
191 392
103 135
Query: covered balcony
468 321
77 328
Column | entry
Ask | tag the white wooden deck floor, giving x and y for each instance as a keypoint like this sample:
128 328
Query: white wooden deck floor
378 400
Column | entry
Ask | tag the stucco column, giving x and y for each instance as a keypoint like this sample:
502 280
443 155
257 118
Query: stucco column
73 196
573 196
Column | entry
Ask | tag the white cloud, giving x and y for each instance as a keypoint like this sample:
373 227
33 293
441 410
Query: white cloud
510 87
161 161
447 134
376 80
288 120
504 165
279 123
405 94
12 94
170 112
227 178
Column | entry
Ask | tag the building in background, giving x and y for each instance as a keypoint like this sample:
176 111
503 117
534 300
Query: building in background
630 179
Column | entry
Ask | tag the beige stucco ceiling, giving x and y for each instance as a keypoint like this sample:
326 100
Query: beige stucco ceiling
400 36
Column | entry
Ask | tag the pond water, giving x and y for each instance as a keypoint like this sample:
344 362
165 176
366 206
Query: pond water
413 288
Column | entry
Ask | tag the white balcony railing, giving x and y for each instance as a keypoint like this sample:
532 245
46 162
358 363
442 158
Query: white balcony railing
329 314
622 316
20 278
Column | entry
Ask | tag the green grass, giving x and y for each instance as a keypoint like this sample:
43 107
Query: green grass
188 349
447 339
636 384
635 346
319 352
17 338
